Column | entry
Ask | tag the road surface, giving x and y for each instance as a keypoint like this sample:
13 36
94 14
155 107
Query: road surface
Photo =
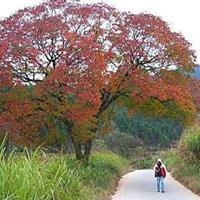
141 185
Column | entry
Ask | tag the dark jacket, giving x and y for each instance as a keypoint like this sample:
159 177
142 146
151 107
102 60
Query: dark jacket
160 170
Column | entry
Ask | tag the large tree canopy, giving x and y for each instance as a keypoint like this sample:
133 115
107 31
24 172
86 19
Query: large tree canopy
34 41
87 56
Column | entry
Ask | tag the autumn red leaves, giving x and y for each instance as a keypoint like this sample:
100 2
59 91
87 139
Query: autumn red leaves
80 59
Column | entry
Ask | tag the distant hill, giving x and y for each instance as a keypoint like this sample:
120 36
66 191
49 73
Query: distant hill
196 73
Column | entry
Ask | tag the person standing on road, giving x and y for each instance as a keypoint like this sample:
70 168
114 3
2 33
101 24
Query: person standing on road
160 174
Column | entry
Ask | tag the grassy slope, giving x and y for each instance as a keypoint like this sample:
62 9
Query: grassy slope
59 177
187 174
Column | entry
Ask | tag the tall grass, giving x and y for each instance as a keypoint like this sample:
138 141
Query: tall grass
38 176
187 173
189 146
184 162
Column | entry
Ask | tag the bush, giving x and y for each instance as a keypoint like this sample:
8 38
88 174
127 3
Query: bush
144 157
142 163
122 143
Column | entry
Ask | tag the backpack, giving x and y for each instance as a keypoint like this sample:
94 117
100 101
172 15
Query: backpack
163 172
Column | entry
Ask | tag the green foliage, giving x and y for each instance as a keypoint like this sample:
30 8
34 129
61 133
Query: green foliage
143 164
122 143
100 144
40 176
144 157
167 109
55 134
187 173
184 162
190 145
156 131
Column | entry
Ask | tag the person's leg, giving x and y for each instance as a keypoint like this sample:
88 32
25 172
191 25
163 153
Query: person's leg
162 184
158 184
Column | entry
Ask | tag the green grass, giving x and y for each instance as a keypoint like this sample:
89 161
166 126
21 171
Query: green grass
186 173
58 177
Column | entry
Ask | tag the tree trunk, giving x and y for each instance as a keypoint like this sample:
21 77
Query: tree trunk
80 152
88 147
78 149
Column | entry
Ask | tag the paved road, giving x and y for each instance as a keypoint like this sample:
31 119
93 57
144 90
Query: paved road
141 185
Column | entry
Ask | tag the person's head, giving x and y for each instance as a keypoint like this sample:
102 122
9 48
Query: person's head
159 161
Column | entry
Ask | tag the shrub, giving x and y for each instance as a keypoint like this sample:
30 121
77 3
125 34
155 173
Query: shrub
122 143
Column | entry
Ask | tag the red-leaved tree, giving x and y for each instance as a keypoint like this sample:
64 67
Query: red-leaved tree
194 87
89 56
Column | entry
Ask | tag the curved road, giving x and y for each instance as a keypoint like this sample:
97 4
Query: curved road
141 185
